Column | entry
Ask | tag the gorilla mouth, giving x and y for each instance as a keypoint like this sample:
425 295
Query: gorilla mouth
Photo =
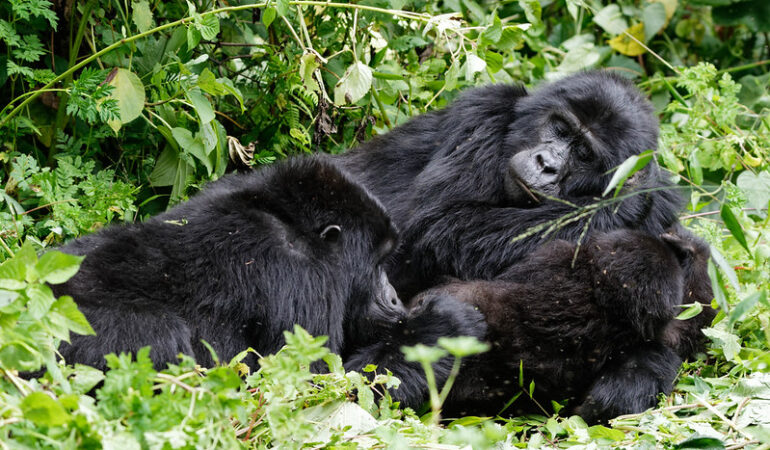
525 189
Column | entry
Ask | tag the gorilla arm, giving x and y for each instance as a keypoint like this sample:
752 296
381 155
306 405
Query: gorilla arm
439 317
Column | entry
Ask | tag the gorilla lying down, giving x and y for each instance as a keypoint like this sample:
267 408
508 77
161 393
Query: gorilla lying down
582 333
245 259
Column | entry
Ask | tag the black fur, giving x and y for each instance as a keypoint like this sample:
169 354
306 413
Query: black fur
446 177
597 336
236 265
463 182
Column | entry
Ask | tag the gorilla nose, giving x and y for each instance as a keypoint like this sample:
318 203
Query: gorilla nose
546 162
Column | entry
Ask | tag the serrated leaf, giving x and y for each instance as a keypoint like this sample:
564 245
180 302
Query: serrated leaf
627 45
208 26
66 312
208 83
141 15
732 224
700 442
728 342
463 346
354 84
494 61
40 300
56 267
41 409
626 169
602 432
423 353
129 93
282 7
493 33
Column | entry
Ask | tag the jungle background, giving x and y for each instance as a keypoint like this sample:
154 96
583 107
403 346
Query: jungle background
115 110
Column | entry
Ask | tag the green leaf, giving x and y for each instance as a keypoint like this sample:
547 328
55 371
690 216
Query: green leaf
494 61
463 346
208 26
269 16
756 187
699 442
193 146
716 284
308 63
56 267
282 7
141 15
20 356
208 83
727 269
354 84
66 313
654 18
202 106
611 19
493 33
602 432
532 10
423 353
692 310
746 305
42 410
129 93
40 300
164 172
625 170
731 222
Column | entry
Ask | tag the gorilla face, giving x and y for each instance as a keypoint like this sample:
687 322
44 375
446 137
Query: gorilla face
569 135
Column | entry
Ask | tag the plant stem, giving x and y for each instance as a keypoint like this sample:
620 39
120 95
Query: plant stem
186 20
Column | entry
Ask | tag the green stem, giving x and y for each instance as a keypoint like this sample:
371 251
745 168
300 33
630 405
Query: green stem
61 114
185 20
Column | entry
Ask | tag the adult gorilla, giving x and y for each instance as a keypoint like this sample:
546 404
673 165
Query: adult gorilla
462 182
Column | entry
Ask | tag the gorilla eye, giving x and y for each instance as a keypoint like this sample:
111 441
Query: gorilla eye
583 152
561 128
331 233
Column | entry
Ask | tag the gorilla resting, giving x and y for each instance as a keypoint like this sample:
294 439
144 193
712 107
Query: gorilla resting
461 183
604 326
248 257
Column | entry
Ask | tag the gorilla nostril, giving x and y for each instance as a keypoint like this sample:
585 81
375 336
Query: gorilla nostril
539 160
394 301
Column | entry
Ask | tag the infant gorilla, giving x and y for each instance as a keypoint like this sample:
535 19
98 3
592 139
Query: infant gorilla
583 331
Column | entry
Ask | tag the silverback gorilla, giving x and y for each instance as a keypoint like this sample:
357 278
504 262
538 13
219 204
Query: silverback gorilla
248 257
461 183
581 339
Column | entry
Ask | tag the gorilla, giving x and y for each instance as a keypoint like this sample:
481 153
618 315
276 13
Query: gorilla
245 259
476 187
462 182
603 325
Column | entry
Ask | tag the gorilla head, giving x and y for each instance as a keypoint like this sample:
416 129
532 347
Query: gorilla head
569 135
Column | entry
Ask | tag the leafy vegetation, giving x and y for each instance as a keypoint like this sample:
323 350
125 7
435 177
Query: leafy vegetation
116 110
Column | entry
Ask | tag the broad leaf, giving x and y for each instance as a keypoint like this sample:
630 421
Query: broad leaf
354 84
129 93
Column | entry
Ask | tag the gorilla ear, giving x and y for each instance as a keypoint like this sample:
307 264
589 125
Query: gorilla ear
331 233
683 248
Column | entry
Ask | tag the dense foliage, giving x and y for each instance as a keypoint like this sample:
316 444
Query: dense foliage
116 110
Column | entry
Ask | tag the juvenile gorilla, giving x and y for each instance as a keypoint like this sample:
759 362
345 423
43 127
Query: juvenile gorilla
583 333
248 257
462 182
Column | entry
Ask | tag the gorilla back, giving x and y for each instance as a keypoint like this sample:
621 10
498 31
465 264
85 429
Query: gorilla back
248 257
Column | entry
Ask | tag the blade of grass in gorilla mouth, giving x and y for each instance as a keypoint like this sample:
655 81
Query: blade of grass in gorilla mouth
527 190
